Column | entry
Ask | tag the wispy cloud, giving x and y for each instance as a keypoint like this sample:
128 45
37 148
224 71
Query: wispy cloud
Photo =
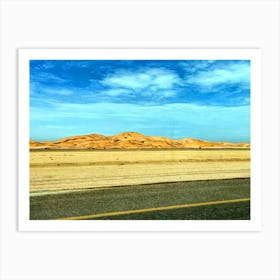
152 79
46 65
46 77
236 73
196 65
70 64
58 91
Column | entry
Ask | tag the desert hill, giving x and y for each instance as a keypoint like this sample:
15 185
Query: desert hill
129 140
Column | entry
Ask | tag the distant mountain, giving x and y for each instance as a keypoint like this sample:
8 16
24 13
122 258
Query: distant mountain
130 140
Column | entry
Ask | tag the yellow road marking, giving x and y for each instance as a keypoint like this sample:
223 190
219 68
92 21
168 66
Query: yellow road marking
93 216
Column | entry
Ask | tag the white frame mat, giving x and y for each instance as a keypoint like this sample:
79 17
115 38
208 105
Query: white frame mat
254 55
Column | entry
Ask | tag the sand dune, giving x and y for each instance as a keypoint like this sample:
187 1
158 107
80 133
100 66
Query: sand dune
130 140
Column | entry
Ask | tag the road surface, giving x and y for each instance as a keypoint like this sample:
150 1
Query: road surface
194 200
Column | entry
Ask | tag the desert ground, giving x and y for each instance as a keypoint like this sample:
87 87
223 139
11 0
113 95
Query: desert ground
69 170
159 184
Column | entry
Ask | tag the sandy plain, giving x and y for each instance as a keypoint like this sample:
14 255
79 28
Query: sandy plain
68 170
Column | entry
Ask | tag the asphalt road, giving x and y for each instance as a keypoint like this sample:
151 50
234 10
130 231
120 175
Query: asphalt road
194 200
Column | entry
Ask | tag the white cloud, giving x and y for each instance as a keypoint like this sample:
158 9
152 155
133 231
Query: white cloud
152 78
136 81
152 83
238 73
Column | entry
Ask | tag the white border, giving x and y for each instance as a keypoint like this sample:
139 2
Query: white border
254 55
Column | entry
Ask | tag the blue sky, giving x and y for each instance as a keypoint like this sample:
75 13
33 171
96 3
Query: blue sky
203 99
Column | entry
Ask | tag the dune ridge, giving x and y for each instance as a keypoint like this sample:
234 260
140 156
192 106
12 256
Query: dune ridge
129 140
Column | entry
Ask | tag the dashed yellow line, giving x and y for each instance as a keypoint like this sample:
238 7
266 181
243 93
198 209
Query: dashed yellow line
101 215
